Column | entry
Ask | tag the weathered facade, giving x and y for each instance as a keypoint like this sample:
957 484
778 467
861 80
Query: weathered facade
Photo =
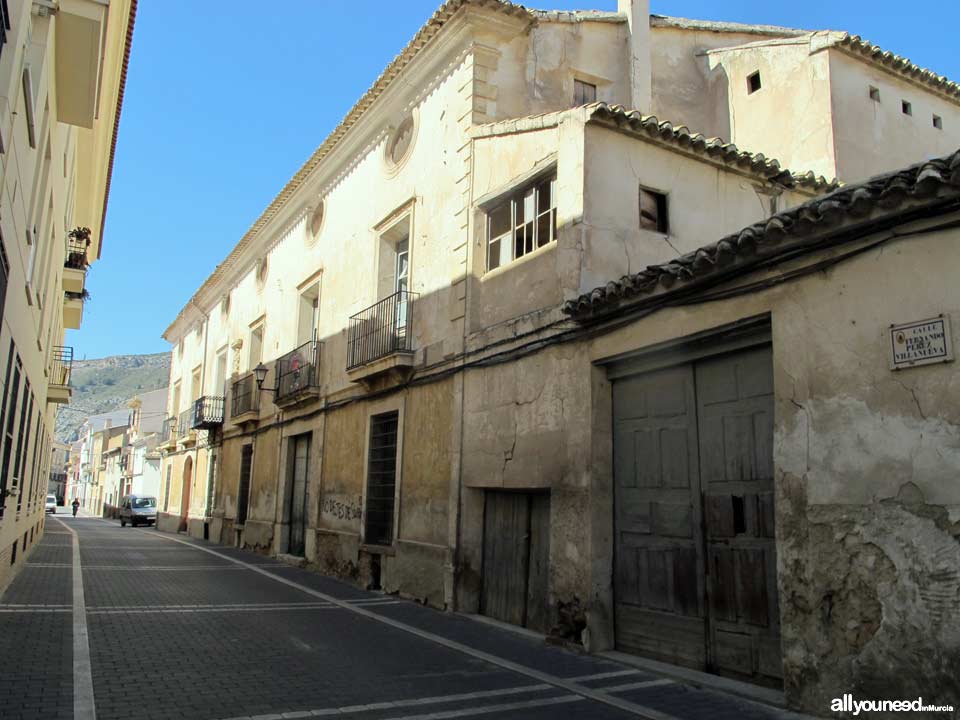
429 420
62 70
863 456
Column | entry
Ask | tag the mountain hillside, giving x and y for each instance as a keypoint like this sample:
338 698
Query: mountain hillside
107 384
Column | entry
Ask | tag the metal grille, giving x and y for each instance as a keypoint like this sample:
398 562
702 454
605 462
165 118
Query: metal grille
381 479
207 412
245 397
381 329
76 257
298 371
185 422
60 365
169 430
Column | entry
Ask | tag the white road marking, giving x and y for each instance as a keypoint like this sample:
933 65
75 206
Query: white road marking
185 609
639 685
573 687
84 706
503 707
604 675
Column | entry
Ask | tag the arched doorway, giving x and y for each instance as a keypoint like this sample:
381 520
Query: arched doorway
185 493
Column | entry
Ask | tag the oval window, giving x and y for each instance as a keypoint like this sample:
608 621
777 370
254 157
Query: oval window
316 220
400 141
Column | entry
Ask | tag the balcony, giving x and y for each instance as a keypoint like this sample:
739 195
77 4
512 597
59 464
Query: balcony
79 59
298 375
381 339
207 413
73 308
75 263
185 433
244 399
61 364
168 433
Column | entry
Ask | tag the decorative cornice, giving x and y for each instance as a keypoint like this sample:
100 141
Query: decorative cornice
236 263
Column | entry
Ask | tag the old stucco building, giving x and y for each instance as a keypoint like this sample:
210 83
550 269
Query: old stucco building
62 73
439 414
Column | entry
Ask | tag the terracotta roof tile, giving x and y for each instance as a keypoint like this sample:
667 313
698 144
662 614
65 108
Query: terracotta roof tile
856 45
930 180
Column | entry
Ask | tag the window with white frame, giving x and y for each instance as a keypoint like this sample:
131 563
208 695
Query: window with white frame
525 221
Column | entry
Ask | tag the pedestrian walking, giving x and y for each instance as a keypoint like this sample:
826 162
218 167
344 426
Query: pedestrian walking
76 506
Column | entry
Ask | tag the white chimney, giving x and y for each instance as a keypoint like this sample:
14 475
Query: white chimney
638 46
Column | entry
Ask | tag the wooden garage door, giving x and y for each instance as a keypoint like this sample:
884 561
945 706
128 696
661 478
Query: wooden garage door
695 554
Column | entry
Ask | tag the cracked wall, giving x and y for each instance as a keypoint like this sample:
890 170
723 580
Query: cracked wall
867 462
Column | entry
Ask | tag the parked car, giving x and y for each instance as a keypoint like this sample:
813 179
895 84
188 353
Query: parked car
138 509
52 504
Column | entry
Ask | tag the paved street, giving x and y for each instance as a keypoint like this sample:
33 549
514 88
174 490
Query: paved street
121 623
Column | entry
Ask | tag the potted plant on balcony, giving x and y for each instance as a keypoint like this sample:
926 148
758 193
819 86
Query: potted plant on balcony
77 248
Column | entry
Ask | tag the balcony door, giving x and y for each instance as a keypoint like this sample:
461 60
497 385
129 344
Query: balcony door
309 312
401 285
394 279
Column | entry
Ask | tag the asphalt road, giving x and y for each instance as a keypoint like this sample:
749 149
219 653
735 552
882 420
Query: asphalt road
108 622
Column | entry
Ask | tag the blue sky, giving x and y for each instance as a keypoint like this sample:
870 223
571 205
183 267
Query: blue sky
223 106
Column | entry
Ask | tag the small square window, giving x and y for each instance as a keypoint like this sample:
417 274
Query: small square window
875 93
584 92
938 122
906 107
653 211
753 83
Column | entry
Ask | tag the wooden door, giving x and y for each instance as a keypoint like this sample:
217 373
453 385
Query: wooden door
515 557
185 493
297 498
243 486
735 412
695 550
659 586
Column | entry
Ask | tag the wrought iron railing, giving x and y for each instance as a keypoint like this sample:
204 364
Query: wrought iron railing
244 396
168 431
298 370
381 329
185 422
61 365
76 257
207 412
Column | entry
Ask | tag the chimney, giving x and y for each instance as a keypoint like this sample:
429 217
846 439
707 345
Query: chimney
638 48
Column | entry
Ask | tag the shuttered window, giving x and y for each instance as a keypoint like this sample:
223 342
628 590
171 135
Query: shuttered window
381 479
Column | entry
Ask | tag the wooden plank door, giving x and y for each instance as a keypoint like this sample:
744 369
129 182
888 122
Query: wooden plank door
659 565
538 616
298 494
506 556
735 412
243 484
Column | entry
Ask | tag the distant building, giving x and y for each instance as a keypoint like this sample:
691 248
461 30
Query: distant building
62 73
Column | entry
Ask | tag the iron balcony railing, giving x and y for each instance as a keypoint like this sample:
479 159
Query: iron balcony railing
207 412
381 329
244 396
298 370
61 365
76 258
185 422
169 430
